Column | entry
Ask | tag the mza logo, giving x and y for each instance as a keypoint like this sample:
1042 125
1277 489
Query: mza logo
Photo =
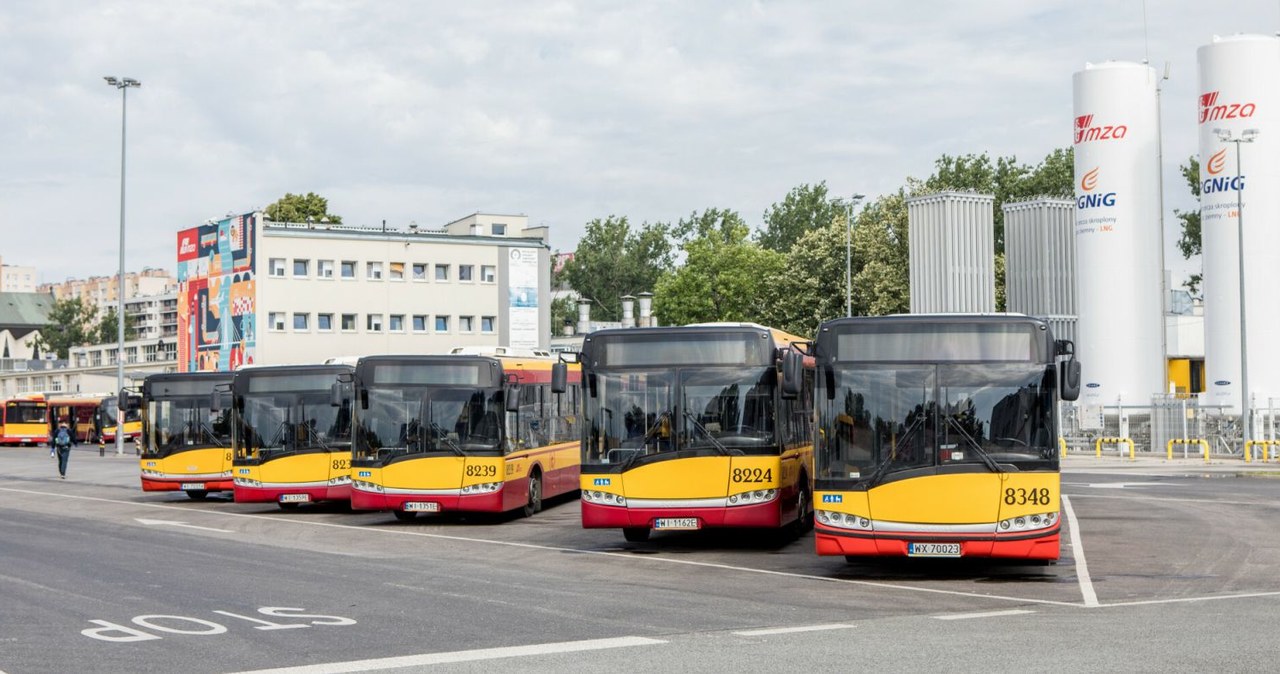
1216 183
366 473
1086 131
602 482
833 498
1088 183
244 471
1211 111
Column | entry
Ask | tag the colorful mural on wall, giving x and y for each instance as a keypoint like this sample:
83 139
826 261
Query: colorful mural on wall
216 295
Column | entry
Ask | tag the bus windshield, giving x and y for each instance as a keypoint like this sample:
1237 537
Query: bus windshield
714 410
108 412
403 420
293 420
186 422
23 412
886 418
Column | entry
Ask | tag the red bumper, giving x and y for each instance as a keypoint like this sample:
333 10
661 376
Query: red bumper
152 484
1044 545
597 516
272 494
489 503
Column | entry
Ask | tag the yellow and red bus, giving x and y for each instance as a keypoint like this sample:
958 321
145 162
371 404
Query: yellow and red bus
470 433
688 428
291 434
24 420
80 410
937 436
108 412
185 445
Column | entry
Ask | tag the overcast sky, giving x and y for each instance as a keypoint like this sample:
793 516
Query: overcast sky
563 111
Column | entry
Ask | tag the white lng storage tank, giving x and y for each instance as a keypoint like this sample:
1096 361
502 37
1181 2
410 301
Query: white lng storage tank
1117 228
1239 97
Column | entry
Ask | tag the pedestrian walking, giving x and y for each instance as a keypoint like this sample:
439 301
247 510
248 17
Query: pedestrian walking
61 441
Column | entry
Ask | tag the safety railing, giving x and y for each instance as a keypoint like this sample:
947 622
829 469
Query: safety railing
1188 441
1266 446
1097 446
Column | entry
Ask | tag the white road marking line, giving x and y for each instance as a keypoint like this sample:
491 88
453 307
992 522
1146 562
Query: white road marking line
1126 485
1171 499
426 659
988 614
550 548
1077 552
184 525
1183 600
791 630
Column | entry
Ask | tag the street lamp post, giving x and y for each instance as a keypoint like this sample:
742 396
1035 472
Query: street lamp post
123 84
848 253
1246 420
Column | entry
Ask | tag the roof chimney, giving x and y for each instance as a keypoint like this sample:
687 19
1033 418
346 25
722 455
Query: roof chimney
584 316
628 311
646 309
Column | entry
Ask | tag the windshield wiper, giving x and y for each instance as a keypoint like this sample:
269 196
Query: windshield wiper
989 462
715 442
882 468
649 433
443 437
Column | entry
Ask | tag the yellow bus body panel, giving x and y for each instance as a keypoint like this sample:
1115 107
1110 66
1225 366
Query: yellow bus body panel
206 460
702 477
949 499
314 467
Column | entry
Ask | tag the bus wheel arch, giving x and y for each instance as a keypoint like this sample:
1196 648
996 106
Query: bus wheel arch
533 501
804 504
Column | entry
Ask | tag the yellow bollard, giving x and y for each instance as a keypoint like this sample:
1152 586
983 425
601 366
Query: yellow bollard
1062 442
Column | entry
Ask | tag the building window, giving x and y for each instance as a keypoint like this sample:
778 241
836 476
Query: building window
325 268
397 271
131 354
442 272
300 322
466 272
324 322
396 323
487 273
373 322
301 268
499 229
442 323
276 266
487 323
275 320
466 324
419 323
348 322
373 271
95 358
419 271
348 269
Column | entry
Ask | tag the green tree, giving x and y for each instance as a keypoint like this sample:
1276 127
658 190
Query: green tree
1189 242
612 260
804 209
724 274
70 324
300 207
105 332
881 281
810 286
563 310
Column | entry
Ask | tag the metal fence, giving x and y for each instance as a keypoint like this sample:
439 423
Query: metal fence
1169 417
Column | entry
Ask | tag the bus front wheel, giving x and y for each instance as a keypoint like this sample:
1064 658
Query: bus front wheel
535 494
636 534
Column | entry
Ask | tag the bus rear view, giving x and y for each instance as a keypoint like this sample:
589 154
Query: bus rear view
937 436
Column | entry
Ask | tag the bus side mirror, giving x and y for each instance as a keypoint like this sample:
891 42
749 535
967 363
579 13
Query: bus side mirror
1069 379
511 398
215 402
559 378
792 373
364 399
335 395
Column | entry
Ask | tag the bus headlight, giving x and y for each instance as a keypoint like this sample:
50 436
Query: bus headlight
339 480
844 520
484 488
1031 522
246 482
752 497
362 485
604 498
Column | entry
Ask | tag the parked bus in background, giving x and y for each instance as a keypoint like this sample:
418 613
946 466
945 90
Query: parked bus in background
81 411
185 445
937 436
688 428
292 443
462 433
108 412
24 420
